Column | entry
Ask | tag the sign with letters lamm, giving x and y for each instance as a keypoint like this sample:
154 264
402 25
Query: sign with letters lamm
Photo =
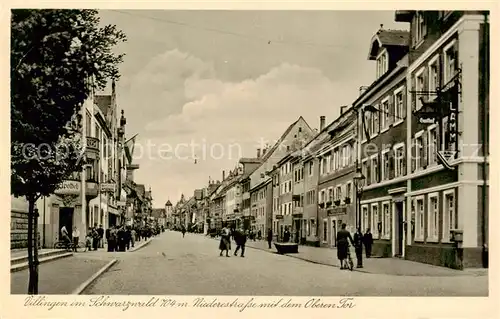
69 187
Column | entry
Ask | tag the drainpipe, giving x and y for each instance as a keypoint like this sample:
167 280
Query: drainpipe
485 122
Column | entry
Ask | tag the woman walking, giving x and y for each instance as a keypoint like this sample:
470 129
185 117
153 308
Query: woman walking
225 241
343 238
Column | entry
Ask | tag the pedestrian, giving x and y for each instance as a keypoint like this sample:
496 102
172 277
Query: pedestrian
225 241
132 236
95 238
128 237
121 239
286 235
183 230
259 234
100 231
269 237
76 236
343 237
240 238
368 241
88 240
358 247
111 239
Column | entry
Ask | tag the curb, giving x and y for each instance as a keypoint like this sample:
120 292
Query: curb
89 281
23 266
142 245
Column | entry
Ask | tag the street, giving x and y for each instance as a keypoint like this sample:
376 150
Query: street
172 265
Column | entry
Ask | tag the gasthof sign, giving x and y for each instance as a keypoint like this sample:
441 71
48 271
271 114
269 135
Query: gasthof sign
69 187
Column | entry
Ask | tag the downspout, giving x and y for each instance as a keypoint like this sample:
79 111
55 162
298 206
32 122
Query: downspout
485 97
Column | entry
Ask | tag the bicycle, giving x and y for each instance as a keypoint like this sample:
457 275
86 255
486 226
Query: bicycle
69 246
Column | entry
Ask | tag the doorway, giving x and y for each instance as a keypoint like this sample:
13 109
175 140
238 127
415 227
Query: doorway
66 219
334 233
297 231
399 225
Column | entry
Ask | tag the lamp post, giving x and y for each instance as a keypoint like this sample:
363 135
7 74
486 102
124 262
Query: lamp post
359 183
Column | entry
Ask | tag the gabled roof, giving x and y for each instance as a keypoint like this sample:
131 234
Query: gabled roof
168 203
387 38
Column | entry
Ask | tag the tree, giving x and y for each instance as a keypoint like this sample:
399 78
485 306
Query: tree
58 59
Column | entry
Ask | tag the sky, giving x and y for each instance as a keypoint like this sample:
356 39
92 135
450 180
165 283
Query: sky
204 88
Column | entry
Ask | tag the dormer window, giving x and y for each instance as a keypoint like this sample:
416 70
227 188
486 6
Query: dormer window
419 28
382 63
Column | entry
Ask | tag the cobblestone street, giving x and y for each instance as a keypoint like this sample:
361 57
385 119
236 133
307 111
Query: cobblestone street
174 265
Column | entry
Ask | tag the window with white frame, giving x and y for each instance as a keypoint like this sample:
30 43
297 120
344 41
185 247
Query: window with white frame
419 151
313 227
328 161
419 218
364 170
348 154
386 113
419 86
386 225
348 190
433 144
433 76
399 111
324 165
433 217
375 220
374 169
399 160
419 28
375 123
385 165
330 194
382 64
366 220
337 159
450 61
338 192
449 214
332 162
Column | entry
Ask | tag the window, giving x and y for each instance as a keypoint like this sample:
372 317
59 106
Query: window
419 28
433 144
419 147
348 190
375 220
433 76
382 64
88 124
330 194
308 228
311 165
419 219
386 113
419 86
338 192
347 154
322 196
386 226
449 211
328 161
385 165
433 218
333 160
450 61
374 169
364 170
399 111
399 160
375 123
313 226
325 230
366 221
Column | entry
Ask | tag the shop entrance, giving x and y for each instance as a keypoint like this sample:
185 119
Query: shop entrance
66 219
399 232
334 233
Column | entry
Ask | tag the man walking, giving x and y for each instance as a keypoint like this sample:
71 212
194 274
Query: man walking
240 237
269 237
100 231
358 247
368 241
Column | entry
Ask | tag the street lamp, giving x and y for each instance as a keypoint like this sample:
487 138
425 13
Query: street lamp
359 183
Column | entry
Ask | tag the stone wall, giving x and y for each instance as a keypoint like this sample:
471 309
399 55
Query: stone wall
19 224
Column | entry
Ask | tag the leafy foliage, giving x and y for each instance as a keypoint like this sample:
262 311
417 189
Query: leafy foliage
58 58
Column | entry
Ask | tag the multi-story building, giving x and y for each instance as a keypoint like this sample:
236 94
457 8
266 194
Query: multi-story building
169 218
336 161
298 194
262 202
447 186
248 166
285 191
383 142
82 189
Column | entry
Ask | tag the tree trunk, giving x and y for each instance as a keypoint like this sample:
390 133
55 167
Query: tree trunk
31 264
35 253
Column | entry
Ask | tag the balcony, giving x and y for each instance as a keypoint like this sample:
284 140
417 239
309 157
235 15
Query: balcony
92 147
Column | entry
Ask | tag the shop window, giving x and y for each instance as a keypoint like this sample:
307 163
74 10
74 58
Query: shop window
419 219
366 220
375 221
433 218
386 226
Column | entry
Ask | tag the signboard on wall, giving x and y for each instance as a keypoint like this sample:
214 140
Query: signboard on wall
69 187
108 187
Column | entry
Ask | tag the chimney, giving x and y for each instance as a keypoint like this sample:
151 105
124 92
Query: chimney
321 122
258 153
223 175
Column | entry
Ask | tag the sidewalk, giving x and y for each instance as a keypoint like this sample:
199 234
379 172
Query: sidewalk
59 277
387 266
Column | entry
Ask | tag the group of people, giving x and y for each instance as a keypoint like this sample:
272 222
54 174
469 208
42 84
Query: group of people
240 237
359 240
